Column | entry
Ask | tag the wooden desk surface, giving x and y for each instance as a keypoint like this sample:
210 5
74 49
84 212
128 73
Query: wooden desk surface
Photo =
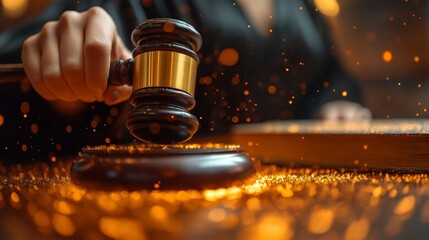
39 201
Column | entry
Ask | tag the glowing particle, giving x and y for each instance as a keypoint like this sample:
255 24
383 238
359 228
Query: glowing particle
114 111
207 80
321 221
63 225
34 128
41 219
68 129
325 84
158 213
94 123
107 140
272 226
168 27
24 147
328 7
416 59
1 120
234 119
25 107
14 8
228 57
387 56
271 30
253 204
365 146
121 228
216 215
235 80
14 197
344 94
357 229
63 207
405 205
272 89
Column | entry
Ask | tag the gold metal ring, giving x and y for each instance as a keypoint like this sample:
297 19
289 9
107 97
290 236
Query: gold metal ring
165 69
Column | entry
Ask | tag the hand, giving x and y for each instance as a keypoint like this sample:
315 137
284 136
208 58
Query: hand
344 110
69 59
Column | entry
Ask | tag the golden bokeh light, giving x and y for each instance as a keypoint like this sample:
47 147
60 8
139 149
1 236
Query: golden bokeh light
387 56
228 57
329 8
14 8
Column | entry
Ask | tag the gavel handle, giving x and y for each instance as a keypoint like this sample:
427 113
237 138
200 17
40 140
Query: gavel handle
121 72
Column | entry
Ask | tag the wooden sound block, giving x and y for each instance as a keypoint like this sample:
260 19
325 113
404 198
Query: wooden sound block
388 145
139 166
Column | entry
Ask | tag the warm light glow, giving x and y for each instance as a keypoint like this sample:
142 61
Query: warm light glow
34 128
25 107
357 229
405 206
344 94
416 59
387 56
228 57
14 8
320 221
121 228
272 89
1 120
63 225
329 8
158 213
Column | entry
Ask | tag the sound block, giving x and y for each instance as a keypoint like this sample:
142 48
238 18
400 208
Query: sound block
169 167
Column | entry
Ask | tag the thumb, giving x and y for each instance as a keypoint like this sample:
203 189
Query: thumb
117 94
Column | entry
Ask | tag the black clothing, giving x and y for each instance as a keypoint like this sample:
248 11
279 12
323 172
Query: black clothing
287 75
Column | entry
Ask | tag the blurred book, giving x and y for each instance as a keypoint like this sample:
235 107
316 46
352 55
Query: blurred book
393 145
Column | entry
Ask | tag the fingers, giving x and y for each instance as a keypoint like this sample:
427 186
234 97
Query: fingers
99 36
50 63
71 54
31 60
117 94
70 58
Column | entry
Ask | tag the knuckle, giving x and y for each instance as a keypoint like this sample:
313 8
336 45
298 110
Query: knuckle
97 46
47 29
68 18
72 67
28 43
51 75
94 11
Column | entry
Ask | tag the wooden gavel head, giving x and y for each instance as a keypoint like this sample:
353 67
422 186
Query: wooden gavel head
163 72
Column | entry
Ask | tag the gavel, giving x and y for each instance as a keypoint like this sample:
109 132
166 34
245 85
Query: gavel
162 74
